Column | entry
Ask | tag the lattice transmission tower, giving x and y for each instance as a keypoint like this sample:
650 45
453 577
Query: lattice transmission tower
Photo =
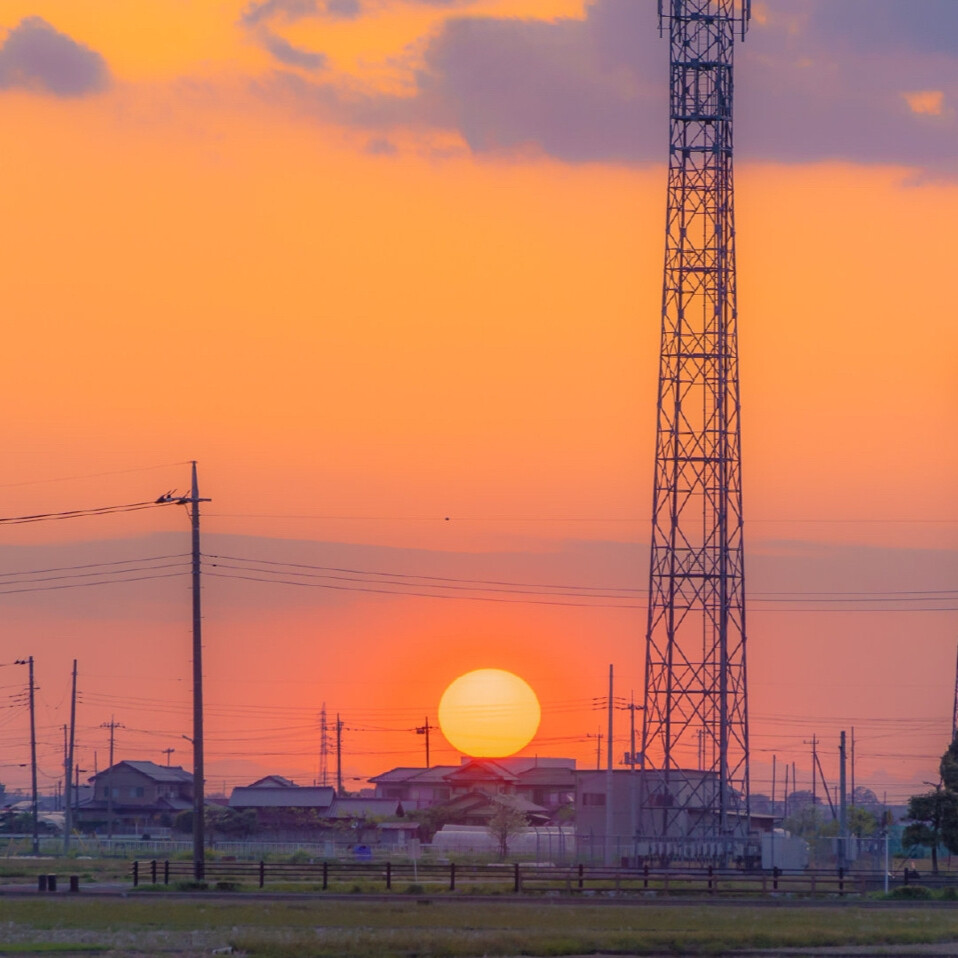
695 729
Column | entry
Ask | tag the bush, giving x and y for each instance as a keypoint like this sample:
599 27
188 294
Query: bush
415 889
913 892
191 885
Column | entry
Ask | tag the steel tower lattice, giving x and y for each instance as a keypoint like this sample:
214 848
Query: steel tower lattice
695 680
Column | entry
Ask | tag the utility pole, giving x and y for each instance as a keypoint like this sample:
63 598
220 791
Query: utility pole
785 799
112 725
609 779
193 500
323 748
814 744
339 755
598 748
199 798
68 768
852 796
954 711
33 756
424 730
695 673
168 752
842 806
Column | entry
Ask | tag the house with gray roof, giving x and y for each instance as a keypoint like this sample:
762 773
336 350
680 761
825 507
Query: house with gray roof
133 796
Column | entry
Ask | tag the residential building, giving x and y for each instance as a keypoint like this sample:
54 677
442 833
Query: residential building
138 795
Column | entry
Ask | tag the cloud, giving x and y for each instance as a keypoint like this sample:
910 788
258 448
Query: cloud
815 81
35 56
922 26
285 52
380 146
266 10
344 9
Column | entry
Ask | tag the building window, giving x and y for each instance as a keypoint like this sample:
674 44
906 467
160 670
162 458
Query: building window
139 791
593 798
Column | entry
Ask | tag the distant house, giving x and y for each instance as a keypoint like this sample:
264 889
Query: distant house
545 784
290 808
273 781
415 787
138 795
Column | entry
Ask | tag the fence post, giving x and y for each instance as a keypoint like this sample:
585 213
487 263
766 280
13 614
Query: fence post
389 876
645 878
581 875
153 871
517 884
136 876
262 873
325 875
776 871
452 876
166 872
711 884
841 882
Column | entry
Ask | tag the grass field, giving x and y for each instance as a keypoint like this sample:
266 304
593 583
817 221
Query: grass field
404 928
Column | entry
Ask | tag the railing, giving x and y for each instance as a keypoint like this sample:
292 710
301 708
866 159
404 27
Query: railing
427 878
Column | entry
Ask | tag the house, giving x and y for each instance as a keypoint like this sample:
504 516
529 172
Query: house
416 788
283 806
135 795
479 807
547 784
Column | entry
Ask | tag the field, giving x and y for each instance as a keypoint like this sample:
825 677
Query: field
148 924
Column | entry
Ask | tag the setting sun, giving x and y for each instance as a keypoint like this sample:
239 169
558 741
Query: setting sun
489 712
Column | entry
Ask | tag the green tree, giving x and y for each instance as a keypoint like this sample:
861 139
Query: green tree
861 822
948 767
934 821
507 822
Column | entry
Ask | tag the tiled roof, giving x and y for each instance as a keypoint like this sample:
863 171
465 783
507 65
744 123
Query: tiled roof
362 807
277 781
282 796
481 769
401 774
158 773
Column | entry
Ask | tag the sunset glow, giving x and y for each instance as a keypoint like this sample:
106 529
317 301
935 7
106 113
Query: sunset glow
394 280
489 712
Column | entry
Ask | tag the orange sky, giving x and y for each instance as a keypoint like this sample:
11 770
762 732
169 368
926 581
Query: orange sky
197 265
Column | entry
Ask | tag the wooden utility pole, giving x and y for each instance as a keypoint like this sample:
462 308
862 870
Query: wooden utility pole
168 752
609 779
112 725
842 806
199 799
68 769
33 757
424 729
339 755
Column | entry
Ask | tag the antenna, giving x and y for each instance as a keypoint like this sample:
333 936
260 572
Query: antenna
695 638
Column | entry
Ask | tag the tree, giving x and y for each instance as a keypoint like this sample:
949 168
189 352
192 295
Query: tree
934 821
861 822
507 822
807 822
948 767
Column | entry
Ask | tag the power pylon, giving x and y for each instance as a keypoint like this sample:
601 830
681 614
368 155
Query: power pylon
695 729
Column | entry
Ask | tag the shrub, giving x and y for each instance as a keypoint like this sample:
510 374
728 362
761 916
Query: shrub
915 892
